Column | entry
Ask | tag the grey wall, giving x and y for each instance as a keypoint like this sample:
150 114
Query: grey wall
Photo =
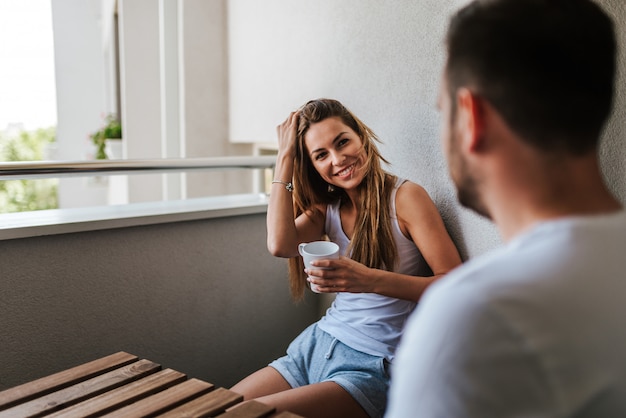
613 152
383 61
202 297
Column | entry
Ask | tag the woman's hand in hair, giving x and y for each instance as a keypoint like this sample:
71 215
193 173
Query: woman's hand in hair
287 132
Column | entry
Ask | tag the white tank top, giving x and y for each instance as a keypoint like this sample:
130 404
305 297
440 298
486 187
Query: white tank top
369 322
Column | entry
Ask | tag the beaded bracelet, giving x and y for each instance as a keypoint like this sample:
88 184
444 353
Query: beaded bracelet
288 186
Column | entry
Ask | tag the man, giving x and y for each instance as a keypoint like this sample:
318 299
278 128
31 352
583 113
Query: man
536 328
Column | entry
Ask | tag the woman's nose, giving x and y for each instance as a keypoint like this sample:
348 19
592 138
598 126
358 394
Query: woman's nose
338 158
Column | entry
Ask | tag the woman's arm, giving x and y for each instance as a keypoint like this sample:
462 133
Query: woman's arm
284 233
420 221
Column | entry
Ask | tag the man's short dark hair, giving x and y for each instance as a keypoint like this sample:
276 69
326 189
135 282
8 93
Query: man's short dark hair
547 66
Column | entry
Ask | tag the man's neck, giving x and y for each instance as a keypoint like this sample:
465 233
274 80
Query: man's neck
549 190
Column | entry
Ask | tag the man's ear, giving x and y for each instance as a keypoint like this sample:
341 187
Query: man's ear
470 119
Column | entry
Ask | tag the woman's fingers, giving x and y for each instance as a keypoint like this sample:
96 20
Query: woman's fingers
326 285
290 121
287 130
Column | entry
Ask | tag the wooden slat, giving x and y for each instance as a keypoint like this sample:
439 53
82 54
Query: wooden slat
249 409
165 400
83 390
286 414
36 388
209 405
123 396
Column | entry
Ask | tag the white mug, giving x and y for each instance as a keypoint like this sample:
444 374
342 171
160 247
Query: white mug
317 250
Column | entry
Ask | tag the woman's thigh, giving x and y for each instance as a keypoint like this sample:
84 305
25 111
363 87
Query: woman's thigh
261 383
324 400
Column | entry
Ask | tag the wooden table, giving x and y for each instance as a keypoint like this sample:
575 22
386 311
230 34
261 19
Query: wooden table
122 385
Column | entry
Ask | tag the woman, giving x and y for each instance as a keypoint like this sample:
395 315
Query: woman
395 244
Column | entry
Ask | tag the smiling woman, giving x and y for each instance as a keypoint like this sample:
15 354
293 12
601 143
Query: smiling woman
392 245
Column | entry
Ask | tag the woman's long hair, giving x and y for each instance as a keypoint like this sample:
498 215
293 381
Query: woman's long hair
372 243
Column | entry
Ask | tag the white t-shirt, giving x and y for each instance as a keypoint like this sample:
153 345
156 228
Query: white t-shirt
535 329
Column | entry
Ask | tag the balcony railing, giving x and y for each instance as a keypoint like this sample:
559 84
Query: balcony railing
84 218
48 169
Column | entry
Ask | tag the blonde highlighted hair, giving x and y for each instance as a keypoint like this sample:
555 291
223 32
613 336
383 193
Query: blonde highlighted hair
372 243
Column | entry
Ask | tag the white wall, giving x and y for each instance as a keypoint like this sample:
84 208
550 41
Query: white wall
140 86
205 97
80 94
384 63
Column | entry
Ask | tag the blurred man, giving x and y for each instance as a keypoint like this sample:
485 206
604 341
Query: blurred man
536 328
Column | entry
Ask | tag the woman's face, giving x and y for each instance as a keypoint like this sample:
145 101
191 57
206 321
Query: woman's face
336 152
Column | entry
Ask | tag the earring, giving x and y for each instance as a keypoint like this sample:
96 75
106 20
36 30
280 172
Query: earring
331 188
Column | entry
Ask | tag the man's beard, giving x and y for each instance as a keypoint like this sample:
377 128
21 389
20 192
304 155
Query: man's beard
467 194
467 182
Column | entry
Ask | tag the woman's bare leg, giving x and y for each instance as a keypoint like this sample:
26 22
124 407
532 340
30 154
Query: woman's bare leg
261 383
323 400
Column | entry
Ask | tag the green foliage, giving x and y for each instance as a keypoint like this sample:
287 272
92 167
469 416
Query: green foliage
112 129
27 195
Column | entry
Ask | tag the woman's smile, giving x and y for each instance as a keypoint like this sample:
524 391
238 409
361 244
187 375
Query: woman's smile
346 171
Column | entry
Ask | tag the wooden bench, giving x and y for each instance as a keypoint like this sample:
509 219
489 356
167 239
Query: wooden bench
122 385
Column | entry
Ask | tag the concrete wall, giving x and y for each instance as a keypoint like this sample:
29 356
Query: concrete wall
384 62
178 294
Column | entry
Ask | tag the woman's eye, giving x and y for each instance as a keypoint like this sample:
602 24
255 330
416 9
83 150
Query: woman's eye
320 155
342 142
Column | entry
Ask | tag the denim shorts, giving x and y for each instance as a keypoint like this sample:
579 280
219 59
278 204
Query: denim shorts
315 356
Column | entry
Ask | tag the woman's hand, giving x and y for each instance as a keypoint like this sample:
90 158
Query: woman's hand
287 132
343 275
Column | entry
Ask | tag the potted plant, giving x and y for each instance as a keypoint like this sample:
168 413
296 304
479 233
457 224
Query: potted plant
112 130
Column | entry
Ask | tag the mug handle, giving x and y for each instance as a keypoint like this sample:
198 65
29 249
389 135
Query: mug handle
301 248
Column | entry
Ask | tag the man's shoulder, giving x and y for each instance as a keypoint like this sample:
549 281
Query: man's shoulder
530 273
481 285
547 244
481 271
467 290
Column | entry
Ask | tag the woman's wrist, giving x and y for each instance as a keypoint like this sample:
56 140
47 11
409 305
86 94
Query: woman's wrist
283 171
286 184
285 156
